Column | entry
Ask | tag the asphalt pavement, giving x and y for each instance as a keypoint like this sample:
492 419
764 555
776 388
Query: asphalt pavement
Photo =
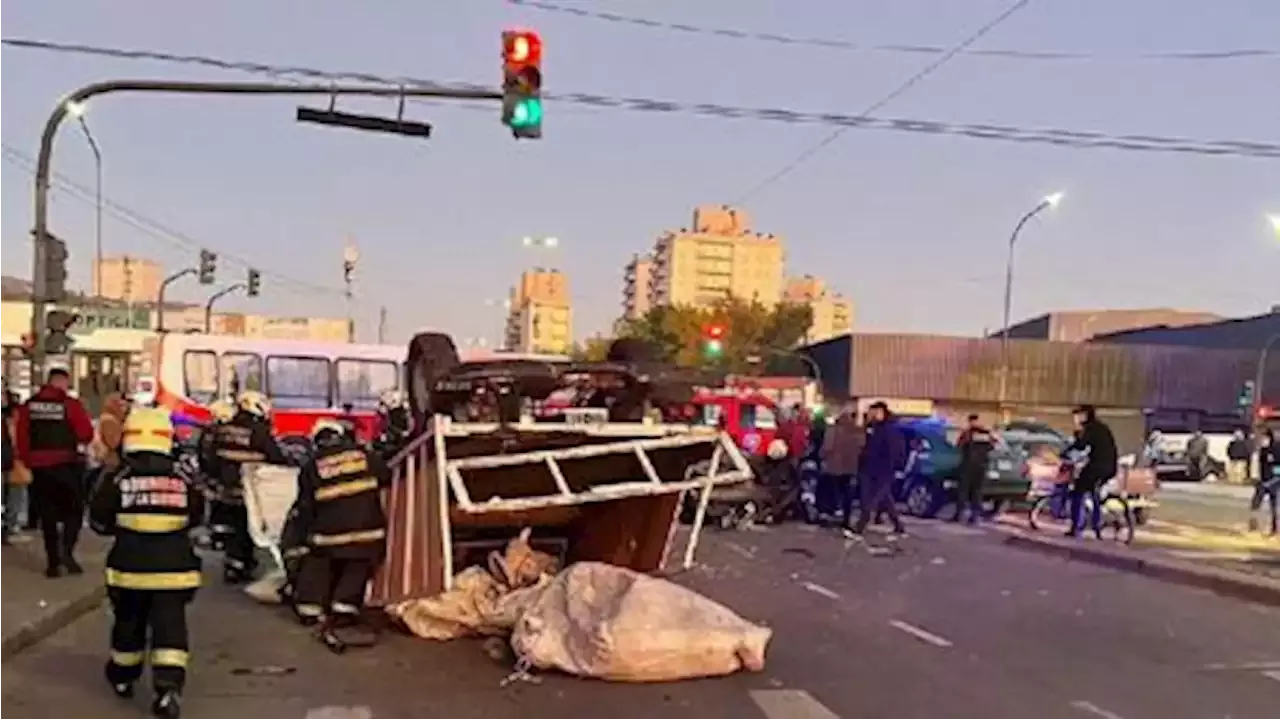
1205 505
954 626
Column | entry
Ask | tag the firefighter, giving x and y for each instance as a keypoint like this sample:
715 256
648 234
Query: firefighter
152 569
339 511
220 413
975 444
246 437
394 424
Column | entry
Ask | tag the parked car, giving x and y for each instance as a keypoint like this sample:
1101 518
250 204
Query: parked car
930 482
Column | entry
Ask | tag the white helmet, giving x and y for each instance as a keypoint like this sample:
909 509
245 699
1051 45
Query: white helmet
777 449
255 403
327 425
391 400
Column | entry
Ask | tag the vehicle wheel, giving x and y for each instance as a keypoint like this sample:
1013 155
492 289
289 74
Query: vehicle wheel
1117 518
923 501
1041 512
431 354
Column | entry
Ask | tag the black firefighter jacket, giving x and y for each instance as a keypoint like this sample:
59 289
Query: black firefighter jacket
339 507
244 439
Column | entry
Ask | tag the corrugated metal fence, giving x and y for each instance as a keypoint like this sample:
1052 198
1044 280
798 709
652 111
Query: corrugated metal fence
1054 373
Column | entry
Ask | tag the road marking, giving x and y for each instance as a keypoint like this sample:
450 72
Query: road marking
337 712
740 550
1094 709
819 589
790 704
920 634
1273 674
1243 666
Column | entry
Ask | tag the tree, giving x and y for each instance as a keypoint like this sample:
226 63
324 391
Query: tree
593 350
753 332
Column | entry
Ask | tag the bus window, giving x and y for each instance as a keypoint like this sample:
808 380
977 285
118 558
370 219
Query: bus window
241 371
757 416
298 382
200 376
362 382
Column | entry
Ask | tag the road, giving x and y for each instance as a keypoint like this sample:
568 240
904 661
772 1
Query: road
957 626
1205 505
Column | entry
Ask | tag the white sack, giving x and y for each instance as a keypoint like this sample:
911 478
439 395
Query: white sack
599 620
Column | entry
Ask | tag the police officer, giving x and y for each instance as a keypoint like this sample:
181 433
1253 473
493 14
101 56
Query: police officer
152 569
220 413
340 511
48 431
975 444
246 437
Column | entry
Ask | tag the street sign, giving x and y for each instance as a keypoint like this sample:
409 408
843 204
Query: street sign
111 318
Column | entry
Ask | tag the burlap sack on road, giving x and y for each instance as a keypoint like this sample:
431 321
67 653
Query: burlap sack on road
599 620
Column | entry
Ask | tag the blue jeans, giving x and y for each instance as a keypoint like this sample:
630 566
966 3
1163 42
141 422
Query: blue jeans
1076 503
15 505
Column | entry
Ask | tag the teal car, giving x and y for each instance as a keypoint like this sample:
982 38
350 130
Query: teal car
930 483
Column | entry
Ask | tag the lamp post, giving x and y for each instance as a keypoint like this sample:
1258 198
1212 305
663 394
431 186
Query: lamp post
1260 374
350 256
1050 201
77 110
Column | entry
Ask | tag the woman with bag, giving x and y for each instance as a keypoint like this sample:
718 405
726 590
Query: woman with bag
16 475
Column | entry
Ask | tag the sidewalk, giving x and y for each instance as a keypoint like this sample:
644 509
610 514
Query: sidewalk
35 606
1208 489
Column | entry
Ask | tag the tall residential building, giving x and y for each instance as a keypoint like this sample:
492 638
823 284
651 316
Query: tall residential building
636 285
718 257
832 312
541 317
129 279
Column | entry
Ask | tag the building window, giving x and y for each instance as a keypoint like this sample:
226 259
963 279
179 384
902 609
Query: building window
200 376
242 372
362 382
299 382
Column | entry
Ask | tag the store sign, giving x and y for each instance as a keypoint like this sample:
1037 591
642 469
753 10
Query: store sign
110 318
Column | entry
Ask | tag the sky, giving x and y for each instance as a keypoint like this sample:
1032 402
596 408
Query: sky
912 227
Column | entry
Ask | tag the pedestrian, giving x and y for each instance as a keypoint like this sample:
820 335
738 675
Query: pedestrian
883 455
1268 485
841 446
975 444
152 568
339 511
16 475
1239 454
105 449
246 438
1095 440
1197 455
49 430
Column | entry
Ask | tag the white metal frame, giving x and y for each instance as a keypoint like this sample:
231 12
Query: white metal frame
727 466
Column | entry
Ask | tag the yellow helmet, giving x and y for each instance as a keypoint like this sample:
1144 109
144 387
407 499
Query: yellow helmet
147 429
222 411
255 403
327 425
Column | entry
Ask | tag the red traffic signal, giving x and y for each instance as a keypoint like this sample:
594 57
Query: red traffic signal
521 48
714 332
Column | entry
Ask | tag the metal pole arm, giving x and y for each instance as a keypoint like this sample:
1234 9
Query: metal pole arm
208 306
160 295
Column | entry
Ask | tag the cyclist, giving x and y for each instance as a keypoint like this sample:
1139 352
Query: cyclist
1095 440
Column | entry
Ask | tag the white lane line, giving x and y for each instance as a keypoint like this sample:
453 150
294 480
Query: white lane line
1243 666
790 704
1273 674
819 589
920 634
1094 709
740 550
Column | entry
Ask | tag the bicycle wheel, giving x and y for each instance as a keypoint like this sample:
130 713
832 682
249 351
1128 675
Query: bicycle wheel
1116 518
1041 512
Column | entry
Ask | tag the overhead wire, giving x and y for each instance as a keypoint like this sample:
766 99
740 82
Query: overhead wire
1061 137
154 228
840 44
898 91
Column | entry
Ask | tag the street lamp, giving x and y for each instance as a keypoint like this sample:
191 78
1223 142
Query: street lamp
1049 202
78 111
549 243
1275 223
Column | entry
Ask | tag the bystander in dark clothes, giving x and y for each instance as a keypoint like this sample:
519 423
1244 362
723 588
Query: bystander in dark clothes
1094 438
1268 485
841 445
882 457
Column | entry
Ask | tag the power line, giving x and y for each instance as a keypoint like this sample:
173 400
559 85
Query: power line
1074 139
153 227
894 94
851 46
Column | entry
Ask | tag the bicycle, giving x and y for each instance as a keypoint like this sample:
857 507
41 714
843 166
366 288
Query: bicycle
1109 511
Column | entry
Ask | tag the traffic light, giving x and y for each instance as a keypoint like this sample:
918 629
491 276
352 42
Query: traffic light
58 340
522 83
1246 395
713 341
208 266
55 269
253 285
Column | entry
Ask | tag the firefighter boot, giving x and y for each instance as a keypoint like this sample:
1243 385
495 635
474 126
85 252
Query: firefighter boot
124 690
167 705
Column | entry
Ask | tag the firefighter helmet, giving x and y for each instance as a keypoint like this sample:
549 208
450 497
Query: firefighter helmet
327 425
222 411
391 400
147 429
254 403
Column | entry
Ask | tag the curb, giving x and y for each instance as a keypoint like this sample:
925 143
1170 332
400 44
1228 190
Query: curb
48 623
1224 582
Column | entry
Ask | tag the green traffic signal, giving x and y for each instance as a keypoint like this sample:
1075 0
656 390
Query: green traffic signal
527 113
713 348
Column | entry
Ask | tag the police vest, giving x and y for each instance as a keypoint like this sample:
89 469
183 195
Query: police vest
49 427
347 514
152 550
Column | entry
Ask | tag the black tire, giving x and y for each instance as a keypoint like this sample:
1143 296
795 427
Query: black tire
431 355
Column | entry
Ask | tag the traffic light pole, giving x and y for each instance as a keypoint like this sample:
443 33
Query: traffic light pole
208 306
39 292
160 296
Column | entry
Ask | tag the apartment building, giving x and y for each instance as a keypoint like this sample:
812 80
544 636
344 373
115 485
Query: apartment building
719 256
832 312
128 279
540 318
637 284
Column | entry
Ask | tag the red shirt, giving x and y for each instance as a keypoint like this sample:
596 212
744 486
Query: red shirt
76 416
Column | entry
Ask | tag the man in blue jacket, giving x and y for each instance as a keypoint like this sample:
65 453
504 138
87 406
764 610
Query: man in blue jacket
882 457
